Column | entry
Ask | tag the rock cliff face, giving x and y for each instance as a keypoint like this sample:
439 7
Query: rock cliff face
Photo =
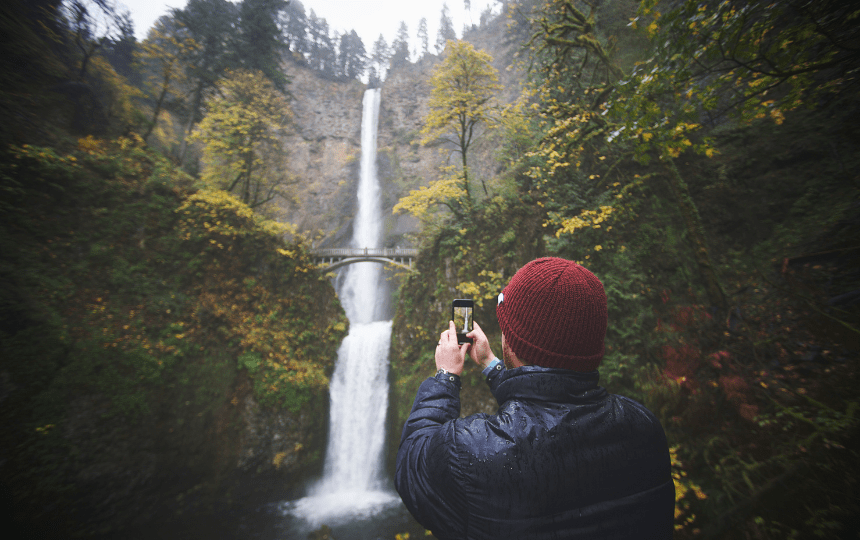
325 145
404 163
325 151
131 475
324 154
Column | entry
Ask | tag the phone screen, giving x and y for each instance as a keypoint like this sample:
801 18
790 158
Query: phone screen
461 314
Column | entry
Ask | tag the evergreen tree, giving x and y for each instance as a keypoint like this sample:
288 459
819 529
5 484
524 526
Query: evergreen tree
446 30
400 47
120 50
259 39
468 5
423 37
351 56
294 27
379 60
321 54
94 24
211 24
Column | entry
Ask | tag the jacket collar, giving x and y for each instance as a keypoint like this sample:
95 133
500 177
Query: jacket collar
536 383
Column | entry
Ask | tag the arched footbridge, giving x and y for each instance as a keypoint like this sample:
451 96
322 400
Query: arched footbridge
334 258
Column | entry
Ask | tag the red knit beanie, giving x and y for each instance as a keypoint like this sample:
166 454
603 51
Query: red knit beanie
553 314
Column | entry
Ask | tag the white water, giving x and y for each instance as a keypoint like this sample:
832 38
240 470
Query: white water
352 484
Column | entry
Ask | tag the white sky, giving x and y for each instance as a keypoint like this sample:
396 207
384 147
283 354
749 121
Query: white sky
368 18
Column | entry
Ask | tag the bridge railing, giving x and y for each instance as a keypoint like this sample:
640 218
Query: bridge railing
364 252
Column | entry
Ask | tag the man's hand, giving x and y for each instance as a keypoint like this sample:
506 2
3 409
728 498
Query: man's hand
480 351
449 355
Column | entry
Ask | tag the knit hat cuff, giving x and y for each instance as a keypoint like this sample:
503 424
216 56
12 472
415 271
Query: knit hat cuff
540 357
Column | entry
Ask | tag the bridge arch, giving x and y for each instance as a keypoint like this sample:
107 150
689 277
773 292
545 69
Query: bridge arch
333 258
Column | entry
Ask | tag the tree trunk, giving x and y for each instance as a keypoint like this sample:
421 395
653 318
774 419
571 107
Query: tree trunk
164 87
696 233
195 104
246 191
464 147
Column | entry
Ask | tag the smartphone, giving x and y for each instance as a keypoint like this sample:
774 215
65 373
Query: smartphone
461 314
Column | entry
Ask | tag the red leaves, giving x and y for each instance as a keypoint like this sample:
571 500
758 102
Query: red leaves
739 393
682 362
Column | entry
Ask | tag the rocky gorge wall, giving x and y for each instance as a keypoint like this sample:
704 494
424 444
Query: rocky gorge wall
325 150
325 142
324 147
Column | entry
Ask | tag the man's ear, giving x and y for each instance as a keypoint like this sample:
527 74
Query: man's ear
510 357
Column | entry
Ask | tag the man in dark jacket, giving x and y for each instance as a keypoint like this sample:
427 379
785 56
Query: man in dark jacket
562 458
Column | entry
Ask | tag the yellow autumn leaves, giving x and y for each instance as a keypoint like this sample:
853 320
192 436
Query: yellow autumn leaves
463 86
587 218
686 491
216 214
242 151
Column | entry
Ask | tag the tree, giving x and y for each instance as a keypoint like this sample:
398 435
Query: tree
588 100
423 36
120 50
752 60
321 48
400 47
352 56
242 150
379 60
294 25
710 62
34 63
259 44
95 23
211 24
166 45
463 86
446 30
468 5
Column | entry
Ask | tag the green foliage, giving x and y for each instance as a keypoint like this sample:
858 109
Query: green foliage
259 44
129 300
270 320
777 52
649 155
163 53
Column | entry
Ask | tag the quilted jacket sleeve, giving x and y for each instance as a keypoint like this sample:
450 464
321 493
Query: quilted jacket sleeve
426 460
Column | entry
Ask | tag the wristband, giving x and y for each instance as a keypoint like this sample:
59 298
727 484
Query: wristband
445 375
494 365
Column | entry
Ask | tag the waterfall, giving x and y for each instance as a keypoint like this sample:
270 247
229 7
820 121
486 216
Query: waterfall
352 483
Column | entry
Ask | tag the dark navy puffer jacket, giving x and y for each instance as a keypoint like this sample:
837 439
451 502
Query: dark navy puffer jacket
562 459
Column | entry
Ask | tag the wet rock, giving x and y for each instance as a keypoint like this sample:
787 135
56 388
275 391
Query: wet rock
279 440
